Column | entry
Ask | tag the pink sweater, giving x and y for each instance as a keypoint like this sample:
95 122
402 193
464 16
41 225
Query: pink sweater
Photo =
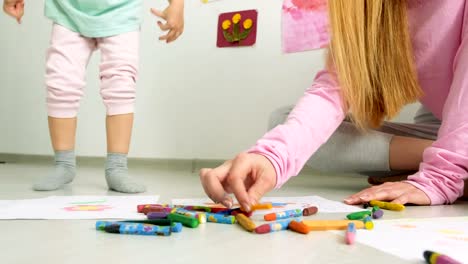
439 30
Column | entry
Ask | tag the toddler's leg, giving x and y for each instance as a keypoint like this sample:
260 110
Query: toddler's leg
119 68
67 58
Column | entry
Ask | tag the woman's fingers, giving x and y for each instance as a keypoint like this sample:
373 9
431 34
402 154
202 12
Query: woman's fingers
212 183
241 168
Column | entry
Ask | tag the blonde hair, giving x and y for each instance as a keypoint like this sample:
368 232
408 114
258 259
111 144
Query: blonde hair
371 52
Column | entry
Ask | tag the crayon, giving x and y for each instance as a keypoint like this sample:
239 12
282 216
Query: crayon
138 229
323 225
378 214
141 206
366 205
198 215
175 227
150 209
275 226
299 227
387 206
220 218
309 211
245 222
283 215
263 206
358 215
160 222
350 235
236 211
436 258
368 224
157 215
184 220
375 208
198 208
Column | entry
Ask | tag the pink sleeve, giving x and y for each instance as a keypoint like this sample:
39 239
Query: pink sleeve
445 163
315 117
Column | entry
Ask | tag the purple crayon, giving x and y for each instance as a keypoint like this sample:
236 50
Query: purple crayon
157 215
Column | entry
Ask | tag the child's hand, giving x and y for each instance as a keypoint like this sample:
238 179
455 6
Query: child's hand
396 192
14 8
248 176
174 16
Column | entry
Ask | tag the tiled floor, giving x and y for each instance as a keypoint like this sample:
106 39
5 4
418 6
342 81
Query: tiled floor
77 242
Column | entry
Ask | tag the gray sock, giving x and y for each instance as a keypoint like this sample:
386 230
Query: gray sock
117 175
64 172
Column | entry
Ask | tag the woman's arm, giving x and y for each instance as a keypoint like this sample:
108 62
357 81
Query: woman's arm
313 120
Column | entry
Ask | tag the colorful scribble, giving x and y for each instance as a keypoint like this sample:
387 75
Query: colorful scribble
87 208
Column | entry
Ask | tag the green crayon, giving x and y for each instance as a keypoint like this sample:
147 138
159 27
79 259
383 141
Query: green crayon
358 215
184 220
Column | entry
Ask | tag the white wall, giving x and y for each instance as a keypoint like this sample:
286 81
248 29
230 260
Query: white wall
194 100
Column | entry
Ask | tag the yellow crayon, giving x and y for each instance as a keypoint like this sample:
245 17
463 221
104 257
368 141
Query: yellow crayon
264 206
323 225
245 222
388 206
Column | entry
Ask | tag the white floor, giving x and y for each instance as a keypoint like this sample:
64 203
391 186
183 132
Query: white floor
77 241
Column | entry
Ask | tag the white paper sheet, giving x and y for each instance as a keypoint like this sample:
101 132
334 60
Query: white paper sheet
409 238
282 204
75 207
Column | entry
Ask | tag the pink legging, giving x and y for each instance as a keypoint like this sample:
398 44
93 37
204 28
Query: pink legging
67 59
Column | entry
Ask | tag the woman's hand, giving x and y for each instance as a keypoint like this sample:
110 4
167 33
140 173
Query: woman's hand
174 16
396 192
248 176
14 8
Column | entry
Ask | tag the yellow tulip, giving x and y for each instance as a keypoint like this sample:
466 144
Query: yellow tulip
236 18
248 23
226 24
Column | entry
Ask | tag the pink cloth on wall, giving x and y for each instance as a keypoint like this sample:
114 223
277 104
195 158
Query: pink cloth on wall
305 25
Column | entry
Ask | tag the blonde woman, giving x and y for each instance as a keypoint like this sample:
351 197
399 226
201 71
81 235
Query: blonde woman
383 55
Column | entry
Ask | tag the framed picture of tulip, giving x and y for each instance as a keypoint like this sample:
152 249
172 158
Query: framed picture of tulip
237 29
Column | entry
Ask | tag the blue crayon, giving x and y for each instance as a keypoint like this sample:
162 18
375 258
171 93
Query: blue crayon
174 226
138 229
220 218
275 226
283 215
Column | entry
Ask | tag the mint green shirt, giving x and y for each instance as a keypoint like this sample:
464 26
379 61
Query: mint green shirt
96 18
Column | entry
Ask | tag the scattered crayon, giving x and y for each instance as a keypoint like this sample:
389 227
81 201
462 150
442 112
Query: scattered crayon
220 218
299 227
263 206
366 205
175 227
378 214
184 220
350 235
368 224
309 211
245 222
323 225
236 211
283 215
141 206
275 226
198 215
138 229
161 222
157 215
436 258
358 215
387 205
375 208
